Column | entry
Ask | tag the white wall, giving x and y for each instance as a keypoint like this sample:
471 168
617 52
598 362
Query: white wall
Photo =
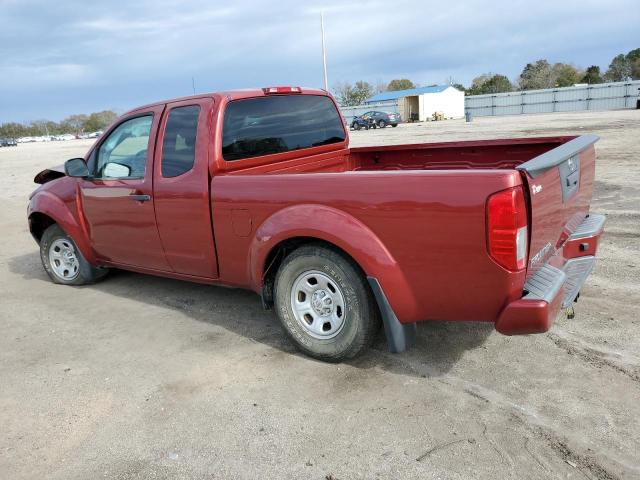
450 102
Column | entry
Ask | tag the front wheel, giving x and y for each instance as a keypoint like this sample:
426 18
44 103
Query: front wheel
325 304
355 126
63 261
382 124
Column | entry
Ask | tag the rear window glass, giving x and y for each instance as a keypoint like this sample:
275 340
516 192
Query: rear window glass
179 144
266 125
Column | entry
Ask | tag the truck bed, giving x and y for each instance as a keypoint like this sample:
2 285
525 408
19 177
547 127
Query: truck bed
426 203
478 154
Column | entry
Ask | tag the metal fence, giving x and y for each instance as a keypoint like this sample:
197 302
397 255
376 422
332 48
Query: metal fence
349 112
604 96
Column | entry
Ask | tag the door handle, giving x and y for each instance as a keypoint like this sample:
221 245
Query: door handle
140 197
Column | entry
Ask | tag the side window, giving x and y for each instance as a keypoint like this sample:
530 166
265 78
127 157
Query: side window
274 124
179 144
124 153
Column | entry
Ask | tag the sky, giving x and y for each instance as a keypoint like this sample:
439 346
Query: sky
67 56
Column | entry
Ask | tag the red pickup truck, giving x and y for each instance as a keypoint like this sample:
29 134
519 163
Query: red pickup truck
259 189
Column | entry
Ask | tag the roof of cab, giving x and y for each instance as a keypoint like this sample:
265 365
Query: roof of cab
230 95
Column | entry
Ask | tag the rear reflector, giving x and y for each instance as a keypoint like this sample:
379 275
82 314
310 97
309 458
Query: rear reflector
507 235
277 90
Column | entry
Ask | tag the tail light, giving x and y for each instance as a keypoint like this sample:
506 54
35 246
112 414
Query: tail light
507 235
280 90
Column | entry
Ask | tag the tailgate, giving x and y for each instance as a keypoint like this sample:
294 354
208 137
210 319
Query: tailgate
560 185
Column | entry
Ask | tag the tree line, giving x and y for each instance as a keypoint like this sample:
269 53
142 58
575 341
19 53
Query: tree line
536 75
73 124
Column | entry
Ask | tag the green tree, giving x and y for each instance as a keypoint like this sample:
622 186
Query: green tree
565 75
459 86
99 120
490 83
351 95
400 84
592 75
43 127
536 75
74 123
633 57
619 69
13 130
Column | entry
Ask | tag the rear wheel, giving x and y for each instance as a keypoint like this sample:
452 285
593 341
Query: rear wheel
62 260
394 125
325 304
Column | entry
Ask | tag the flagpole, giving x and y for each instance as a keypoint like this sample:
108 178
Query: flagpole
324 54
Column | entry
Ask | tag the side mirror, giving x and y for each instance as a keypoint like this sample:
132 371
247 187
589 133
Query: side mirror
116 170
76 168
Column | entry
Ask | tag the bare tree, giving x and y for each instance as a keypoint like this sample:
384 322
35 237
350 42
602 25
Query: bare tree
351 95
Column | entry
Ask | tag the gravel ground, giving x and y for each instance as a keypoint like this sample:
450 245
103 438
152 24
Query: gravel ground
142 377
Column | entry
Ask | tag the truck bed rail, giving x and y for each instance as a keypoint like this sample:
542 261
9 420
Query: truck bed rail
538 165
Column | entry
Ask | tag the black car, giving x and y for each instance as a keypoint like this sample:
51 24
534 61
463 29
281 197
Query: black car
8 142
382 119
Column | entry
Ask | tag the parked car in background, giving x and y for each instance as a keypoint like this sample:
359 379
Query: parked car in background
359 123
8 142
382 119
260 189
65 137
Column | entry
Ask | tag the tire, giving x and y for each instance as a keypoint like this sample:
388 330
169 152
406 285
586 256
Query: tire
56 243
332 330
394 125
355 126
382 123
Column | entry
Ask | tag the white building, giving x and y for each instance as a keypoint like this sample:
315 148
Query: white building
421 103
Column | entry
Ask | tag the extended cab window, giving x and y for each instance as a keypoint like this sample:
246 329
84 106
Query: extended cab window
123 154
266 125
179 144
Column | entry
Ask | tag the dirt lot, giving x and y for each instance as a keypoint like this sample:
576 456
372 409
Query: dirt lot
142 377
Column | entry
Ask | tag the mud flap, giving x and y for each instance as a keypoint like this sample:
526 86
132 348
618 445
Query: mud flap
400 336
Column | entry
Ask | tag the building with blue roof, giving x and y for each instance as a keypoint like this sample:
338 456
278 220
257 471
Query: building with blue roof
394 95
421 103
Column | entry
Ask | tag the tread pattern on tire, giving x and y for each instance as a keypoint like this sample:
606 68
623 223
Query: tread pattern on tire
88 273
366 318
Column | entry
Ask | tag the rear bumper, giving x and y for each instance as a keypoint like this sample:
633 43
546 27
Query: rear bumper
556 285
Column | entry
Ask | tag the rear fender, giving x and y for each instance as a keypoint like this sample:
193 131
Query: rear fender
345 232
52 206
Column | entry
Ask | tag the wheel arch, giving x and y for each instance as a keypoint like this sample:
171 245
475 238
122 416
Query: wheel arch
298 225
46 209
38 223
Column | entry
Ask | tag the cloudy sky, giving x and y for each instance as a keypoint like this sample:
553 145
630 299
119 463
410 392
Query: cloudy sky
70 56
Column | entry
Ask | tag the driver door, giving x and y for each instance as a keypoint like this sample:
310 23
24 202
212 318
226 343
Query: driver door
117 201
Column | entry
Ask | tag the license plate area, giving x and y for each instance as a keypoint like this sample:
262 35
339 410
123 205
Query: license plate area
569 177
